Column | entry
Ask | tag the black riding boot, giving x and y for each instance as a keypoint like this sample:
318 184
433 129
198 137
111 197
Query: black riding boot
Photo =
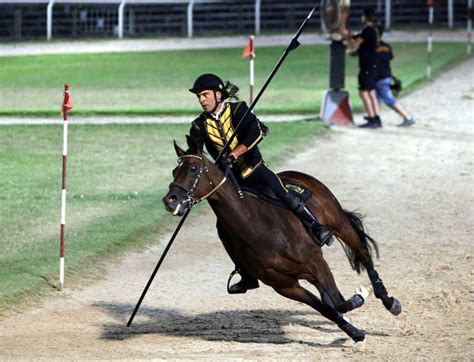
246 283
320 234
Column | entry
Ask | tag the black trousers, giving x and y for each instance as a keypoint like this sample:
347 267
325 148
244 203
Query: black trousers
264 176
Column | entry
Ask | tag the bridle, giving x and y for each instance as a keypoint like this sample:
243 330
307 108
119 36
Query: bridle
189 193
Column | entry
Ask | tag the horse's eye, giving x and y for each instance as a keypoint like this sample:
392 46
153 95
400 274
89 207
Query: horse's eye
193 168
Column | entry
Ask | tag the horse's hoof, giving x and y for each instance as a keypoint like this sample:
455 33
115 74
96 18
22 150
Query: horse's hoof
396 307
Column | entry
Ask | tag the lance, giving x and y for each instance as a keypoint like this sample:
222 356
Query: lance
292 46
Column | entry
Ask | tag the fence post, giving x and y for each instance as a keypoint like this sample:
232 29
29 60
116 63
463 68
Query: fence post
450 14
258 4
120 18
49 20
469 26
388 14
190 18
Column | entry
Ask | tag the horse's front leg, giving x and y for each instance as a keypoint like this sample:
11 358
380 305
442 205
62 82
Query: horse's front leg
290 288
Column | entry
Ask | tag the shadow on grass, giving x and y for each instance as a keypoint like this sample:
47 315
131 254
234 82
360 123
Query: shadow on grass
243 326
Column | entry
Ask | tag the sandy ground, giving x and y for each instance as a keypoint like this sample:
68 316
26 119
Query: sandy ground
416 187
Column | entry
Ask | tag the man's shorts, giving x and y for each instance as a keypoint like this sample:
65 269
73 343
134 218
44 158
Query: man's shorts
367 79
384 93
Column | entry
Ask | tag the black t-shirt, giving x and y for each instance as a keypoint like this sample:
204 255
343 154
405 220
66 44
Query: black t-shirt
367 50
384 56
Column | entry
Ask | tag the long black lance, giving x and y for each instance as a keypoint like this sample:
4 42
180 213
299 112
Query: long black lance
292 46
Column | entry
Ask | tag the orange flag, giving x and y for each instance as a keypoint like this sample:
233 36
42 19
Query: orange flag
249 50
67 102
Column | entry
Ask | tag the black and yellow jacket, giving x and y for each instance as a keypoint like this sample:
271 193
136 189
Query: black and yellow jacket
205 130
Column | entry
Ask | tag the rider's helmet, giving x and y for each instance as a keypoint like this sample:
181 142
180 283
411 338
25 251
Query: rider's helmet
209 82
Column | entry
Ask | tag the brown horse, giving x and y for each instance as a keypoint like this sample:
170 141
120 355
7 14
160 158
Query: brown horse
272 244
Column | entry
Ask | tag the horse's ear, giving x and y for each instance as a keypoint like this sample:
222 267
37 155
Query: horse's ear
179 151
193 147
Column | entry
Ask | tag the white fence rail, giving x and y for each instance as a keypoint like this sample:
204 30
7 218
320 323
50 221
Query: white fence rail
255 12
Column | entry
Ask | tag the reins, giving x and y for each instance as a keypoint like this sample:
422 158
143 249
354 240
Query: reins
189 193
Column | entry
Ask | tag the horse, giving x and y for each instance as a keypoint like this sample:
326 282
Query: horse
272 245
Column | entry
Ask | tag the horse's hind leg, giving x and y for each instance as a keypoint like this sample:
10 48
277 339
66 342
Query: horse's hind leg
354 236
290 288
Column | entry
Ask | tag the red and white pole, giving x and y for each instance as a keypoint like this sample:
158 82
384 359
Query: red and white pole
469 26
67 105
252 67
249 51
430 36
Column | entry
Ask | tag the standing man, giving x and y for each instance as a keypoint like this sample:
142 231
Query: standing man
384 80
366 44
214 128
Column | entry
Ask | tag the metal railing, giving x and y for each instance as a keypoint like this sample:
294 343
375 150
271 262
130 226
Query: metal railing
71 18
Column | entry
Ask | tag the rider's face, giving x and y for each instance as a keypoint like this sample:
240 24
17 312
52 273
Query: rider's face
207 99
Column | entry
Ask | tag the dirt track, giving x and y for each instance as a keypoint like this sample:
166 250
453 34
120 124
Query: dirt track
414 185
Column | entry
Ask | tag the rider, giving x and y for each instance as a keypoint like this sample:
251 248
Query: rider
215 126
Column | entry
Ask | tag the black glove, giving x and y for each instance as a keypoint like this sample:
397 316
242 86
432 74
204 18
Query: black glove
226 161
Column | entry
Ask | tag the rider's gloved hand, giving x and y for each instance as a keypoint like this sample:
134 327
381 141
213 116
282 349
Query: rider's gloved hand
226 161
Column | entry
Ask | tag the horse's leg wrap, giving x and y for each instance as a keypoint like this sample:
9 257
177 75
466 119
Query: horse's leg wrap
379 289
355 302
392 304
356 334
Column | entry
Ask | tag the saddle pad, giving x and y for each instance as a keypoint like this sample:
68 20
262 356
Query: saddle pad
266 194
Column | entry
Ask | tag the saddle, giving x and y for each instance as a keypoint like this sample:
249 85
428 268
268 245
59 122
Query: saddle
266 194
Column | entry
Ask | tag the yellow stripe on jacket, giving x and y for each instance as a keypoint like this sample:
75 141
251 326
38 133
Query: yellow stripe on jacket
221 130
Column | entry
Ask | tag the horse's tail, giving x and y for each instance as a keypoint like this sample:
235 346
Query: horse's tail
357 261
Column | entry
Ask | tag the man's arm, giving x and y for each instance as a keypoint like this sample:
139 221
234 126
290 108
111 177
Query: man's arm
196 133
250 129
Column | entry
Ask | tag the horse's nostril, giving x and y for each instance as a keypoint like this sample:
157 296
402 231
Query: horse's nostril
170 199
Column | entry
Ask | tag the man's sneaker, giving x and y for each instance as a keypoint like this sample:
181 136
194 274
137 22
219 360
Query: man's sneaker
378 121
372 122
407 122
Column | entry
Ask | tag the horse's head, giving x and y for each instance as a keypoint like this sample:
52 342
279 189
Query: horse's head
195 179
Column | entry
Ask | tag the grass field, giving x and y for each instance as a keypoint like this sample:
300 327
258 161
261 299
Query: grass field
157 82
117 175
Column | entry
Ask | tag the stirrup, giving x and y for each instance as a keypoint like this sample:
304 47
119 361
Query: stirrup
243 285
236 271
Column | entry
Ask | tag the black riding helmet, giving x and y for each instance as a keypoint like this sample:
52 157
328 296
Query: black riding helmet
211 82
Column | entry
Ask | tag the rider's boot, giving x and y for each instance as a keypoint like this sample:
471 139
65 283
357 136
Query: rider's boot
246 283
320 234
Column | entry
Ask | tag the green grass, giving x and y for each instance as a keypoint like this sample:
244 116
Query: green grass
157 82
117 175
